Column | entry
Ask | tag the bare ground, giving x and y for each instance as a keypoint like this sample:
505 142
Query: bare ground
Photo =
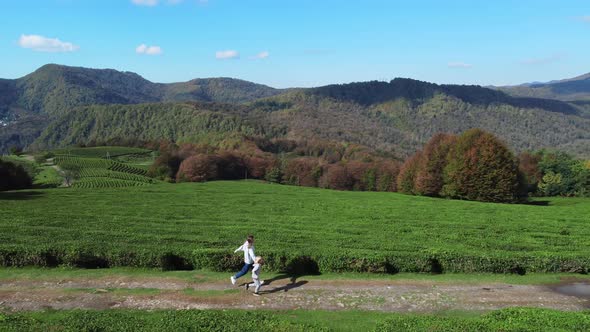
281 293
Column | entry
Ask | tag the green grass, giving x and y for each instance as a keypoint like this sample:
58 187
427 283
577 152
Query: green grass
48 177
199 225
514 319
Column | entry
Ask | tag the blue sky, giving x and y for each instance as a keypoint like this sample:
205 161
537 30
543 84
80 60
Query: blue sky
287 43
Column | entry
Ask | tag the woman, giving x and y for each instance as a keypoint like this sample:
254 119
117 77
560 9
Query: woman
249 257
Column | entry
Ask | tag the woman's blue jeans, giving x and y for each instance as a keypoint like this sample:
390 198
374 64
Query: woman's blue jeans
243 271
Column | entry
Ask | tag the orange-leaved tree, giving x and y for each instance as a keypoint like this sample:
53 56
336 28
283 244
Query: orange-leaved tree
480 167
407 175
429 176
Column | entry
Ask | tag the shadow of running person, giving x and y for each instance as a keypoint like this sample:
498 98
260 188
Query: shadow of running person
292 279
284 288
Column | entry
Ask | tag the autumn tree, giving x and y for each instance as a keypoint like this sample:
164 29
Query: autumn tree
198 168
231 166
303 172
336 177
167 163
528 164
362 175
406 179
429 175
387 173
259 165
481 168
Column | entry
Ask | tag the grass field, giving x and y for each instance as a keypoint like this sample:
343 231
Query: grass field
307 230
517 319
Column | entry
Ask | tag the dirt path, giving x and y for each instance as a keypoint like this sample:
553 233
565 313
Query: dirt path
282 293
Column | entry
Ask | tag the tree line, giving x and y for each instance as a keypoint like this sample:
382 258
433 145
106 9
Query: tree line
303 163
475 165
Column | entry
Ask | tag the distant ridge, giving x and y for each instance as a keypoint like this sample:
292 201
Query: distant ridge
571 89
58 105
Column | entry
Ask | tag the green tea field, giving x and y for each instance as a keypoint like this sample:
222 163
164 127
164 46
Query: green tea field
180 226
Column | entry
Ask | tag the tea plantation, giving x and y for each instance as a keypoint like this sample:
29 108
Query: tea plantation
301 230
514 319
103 173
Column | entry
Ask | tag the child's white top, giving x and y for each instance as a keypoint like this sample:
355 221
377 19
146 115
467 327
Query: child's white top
256 271
248 253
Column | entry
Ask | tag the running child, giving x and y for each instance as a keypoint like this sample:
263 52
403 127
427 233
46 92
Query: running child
258 262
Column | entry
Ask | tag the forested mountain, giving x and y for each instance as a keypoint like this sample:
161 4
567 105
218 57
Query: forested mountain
396 117
53 90
59 106
573 89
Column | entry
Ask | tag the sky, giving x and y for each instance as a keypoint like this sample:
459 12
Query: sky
302 43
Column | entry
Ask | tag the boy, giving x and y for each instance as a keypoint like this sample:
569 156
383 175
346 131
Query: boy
258 262
248 249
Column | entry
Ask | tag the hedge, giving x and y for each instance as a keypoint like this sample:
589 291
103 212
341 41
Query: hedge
296 262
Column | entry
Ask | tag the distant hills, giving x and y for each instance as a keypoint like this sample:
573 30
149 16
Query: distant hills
572 89
58 106
28 103
55 89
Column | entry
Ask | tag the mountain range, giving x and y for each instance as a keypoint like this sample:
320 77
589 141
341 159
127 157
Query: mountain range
57 106
575 89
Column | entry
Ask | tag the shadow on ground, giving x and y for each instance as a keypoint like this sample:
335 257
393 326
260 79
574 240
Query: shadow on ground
20 195
538 203
293 283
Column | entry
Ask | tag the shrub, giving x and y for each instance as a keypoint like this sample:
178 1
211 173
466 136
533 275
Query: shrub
563 175
13 177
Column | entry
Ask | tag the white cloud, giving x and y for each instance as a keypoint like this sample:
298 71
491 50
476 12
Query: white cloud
44 44
460 65
145 2
149 50
261 55
543 60
228 54
585 18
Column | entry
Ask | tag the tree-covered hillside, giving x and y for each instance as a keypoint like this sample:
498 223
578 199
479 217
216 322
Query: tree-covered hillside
188 122
55 89
397 116
398 126
404 123
28 103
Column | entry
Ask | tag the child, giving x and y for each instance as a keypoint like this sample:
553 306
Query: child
258 262
248 249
